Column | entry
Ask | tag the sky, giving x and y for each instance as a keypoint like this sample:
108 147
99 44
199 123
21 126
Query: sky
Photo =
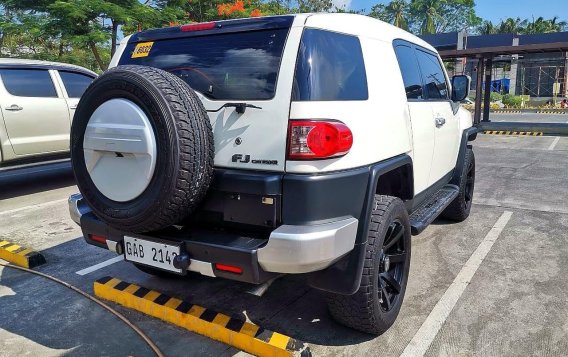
493 10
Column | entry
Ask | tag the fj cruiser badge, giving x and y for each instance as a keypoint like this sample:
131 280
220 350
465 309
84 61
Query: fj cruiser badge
245 159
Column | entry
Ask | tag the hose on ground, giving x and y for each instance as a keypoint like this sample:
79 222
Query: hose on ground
146 339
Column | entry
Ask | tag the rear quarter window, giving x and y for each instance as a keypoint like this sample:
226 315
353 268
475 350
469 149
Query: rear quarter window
330 67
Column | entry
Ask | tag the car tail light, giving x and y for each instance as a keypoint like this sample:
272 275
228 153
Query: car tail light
229 268
98 239
198 27
310 139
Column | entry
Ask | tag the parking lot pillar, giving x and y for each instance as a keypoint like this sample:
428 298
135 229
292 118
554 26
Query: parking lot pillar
487 97
478 90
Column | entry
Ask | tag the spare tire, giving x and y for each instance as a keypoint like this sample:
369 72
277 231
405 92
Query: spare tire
141 148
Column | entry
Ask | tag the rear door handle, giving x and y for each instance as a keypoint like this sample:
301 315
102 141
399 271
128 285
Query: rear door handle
14 108
73 106
440 122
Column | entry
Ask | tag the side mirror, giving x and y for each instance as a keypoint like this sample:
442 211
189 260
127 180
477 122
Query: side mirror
460 87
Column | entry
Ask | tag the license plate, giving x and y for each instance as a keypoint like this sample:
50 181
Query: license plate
151 253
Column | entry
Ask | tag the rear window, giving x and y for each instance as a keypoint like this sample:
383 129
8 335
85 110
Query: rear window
330 67
241 65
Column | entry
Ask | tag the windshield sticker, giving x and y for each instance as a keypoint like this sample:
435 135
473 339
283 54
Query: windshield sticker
142 49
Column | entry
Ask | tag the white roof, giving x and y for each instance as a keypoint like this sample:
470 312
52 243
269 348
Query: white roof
364 26
36 63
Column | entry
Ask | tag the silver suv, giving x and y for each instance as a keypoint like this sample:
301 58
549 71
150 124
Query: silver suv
37 104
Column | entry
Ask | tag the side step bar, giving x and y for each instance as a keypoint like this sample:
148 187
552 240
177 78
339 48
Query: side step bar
434 206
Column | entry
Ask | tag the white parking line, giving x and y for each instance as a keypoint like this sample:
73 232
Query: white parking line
434 322
551 147
100 265
39 205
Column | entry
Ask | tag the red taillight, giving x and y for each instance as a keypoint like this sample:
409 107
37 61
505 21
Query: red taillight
229 268
310 139
198 27
98 239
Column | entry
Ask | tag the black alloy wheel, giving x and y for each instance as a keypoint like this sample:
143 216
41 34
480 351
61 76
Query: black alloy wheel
392 266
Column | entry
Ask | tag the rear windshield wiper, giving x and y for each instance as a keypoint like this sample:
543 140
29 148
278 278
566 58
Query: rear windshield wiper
239 107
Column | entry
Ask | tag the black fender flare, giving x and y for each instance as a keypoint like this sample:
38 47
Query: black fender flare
469 134
344 276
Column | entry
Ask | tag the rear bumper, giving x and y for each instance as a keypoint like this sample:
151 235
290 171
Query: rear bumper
290 249
303 249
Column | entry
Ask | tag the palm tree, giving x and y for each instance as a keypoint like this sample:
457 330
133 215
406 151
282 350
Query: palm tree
541 25
511 25
429 11
558 26
397 10
487 28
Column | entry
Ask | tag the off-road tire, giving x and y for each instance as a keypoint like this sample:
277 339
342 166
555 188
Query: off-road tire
185 148
460 207
363 311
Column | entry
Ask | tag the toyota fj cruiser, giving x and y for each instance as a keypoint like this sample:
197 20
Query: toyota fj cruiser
311 144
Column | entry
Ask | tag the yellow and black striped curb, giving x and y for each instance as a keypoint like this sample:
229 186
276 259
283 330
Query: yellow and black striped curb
509 132
234 332
552 112
21 256
506 112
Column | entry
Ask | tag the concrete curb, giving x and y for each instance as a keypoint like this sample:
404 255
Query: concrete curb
234 332
20 256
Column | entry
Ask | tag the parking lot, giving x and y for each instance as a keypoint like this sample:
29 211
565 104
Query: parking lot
509 299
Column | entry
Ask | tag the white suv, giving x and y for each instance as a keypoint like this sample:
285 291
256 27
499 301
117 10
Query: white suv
310 144
38 100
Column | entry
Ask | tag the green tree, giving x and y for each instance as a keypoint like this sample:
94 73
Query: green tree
428 13
396 12
315 5
81 24
433 16
541 25
511 25
520 26
486 28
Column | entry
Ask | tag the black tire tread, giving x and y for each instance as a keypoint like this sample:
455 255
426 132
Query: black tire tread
358 310
457 210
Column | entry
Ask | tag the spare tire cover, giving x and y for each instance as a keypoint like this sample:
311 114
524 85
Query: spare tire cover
141 148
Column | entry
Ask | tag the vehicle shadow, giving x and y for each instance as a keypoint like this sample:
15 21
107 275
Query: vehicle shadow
289 306
21 184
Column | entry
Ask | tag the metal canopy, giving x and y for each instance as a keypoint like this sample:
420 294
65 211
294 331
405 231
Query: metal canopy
485 48
488 52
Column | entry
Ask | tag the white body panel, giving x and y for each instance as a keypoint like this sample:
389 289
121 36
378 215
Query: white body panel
262 132
423 139
447 140
384 126
119 52
380 125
